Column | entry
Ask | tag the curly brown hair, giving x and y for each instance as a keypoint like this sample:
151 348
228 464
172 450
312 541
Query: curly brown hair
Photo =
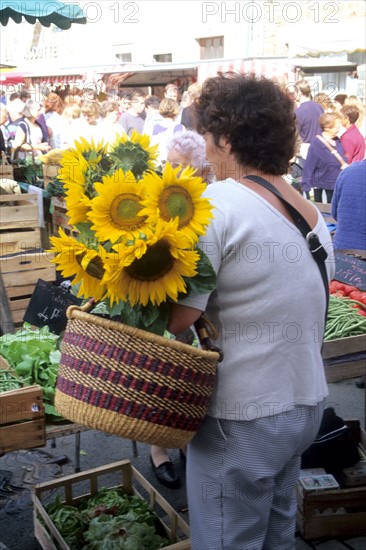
255 115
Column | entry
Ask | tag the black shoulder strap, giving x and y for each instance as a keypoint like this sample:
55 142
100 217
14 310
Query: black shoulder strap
315 246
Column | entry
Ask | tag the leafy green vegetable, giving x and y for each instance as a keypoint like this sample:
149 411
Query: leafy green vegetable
34 356
116 533
109 520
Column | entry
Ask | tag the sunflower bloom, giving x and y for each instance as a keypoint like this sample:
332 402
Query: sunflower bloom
157 274
77 204
178 196
134 154
83 264
115 211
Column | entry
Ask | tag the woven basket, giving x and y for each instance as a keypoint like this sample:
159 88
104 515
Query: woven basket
131 383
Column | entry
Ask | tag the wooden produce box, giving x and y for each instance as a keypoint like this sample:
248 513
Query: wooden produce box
334 512
20 274
60 218
19 223
50 171
325 209
74 488
343 347
22 419
6 169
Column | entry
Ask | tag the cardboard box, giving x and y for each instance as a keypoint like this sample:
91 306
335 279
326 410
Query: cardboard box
74 488
19 223
22 419
333 512
20 273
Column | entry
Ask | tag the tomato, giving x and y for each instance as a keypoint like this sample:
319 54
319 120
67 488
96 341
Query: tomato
362 312
338 285
348 289
356 295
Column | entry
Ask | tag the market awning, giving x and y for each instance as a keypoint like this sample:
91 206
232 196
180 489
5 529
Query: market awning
345 36
61 14
311 65
62 79
10 77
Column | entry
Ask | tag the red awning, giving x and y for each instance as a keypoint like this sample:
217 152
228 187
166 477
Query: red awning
9 78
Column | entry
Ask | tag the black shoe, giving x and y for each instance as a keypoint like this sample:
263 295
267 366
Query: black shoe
360 383
166 475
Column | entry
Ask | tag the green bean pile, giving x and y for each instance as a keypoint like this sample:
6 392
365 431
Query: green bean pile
9 380
343 319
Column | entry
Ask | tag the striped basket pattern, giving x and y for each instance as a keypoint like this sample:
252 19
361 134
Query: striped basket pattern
131 383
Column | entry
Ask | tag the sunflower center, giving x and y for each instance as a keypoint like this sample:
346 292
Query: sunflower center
94 268
176 201
124 212
154 264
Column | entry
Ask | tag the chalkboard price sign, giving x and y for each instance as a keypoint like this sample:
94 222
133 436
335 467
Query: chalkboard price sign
350 270
48 305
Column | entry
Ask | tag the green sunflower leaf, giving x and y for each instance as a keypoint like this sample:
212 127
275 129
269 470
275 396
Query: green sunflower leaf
205 280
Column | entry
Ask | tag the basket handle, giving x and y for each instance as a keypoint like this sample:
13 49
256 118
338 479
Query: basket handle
205 331
86 308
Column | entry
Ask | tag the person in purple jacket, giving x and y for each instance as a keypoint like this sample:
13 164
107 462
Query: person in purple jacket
307 116
325 159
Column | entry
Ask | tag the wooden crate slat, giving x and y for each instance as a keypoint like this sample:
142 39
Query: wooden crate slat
19 291
21 404
343 346
13 242
345 371
32 276
25 435
25 261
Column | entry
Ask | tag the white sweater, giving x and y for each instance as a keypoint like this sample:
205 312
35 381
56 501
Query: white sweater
269 306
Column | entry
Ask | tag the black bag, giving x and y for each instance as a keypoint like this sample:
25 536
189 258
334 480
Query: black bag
296 169
334 448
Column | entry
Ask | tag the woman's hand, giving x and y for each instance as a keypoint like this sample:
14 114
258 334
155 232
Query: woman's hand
44 147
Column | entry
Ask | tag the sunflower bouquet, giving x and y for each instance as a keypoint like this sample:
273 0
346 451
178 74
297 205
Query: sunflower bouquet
134 247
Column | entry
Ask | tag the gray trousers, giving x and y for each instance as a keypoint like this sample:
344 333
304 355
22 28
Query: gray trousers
241 478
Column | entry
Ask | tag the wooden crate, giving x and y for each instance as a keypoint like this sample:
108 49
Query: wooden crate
19 223
6 172
345 369
335 512
20 274
60 218
325 209
22 419
50 171
72 489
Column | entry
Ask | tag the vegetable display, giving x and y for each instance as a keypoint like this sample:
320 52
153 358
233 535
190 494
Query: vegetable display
346 313
33 355
10 381
109 520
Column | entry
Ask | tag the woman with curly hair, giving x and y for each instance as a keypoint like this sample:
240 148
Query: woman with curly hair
269 308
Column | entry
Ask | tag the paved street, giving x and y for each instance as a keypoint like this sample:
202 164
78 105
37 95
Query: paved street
97 449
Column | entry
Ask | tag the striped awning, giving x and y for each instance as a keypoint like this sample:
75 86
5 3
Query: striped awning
57 79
